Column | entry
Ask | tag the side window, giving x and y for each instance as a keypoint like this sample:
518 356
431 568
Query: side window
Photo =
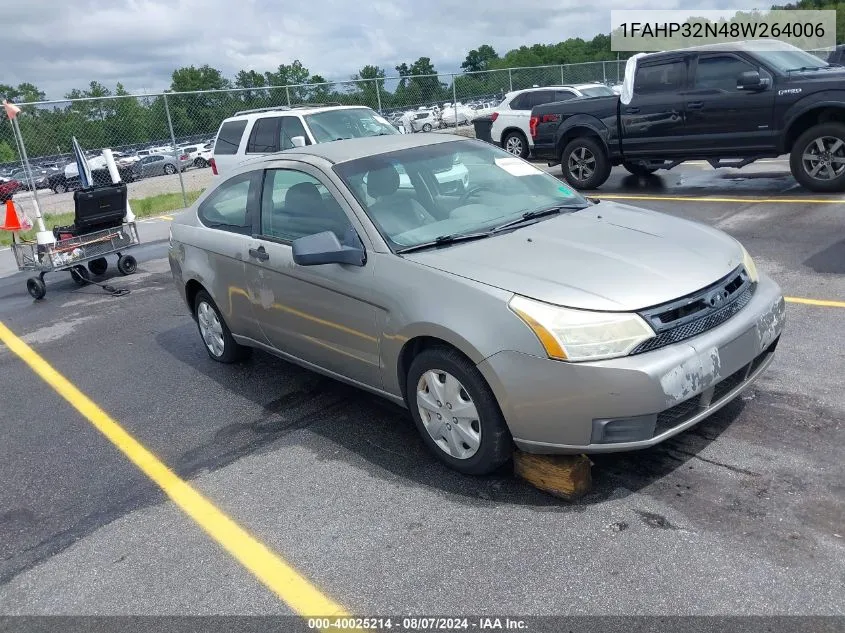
295 204
541 97
291 126
665 77
229 138
719 72
521 102
228 207
563 95
264 138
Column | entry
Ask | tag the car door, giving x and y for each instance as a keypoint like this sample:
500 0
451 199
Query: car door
227 219
264 136
720 117
319 314
653 122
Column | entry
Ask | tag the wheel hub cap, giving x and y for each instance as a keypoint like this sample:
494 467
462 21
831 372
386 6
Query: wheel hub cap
448 414
824 158
211 329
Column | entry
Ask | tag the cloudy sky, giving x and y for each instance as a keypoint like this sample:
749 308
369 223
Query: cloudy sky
63 44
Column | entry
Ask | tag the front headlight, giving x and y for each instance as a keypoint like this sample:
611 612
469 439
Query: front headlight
579 335
750 266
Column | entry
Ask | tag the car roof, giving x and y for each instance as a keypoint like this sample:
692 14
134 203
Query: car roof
355 148
304 110
746 45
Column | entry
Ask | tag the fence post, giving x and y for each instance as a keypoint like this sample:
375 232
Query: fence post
603 73
510 79
378 95
287 92
175 153
455 100
562 80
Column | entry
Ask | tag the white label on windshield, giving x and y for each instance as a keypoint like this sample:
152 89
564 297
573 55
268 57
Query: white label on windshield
517 167
381 119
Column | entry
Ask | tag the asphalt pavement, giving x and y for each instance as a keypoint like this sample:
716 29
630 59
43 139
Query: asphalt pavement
745 514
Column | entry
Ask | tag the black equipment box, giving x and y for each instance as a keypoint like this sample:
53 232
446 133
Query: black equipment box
99 207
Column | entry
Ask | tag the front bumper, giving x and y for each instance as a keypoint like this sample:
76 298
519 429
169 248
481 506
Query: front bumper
559 407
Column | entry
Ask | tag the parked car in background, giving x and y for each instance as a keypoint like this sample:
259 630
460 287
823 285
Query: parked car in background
8 188
510 119
605 328
729 104
203 156
41 177
464 115
157 165
422 120
68 178
252 133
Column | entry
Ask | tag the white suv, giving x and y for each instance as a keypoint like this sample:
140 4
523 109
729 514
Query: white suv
511 117
253 133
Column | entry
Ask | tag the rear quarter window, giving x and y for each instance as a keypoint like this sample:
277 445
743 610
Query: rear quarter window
229 138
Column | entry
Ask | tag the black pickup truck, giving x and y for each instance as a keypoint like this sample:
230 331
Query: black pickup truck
728 104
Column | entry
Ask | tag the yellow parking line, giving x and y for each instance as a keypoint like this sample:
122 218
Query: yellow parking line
277 575
816 302
714 199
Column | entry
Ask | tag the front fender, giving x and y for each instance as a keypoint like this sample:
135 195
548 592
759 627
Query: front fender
816 101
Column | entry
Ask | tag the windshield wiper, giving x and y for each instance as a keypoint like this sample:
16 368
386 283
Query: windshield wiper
537 213
443 240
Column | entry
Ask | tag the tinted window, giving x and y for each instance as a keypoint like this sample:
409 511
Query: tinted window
265 136
563 95
719 72
541 97
295 204
521 102
598 91
666 77
228 207
230 137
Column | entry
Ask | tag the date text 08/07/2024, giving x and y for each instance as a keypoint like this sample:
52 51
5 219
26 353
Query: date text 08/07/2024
417 624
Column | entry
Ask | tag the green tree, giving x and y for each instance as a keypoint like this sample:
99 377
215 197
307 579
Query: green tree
423 82
205 77
7 154
295 75
321 91
480 59
370 83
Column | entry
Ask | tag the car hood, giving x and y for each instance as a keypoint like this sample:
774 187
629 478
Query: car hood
606 257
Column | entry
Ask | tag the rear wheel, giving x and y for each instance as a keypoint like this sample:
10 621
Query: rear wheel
127 264
60 187
169 170
456 412
584 163
817 159
200 162
36 287
215 333
80 275
426 127
98 266
515 143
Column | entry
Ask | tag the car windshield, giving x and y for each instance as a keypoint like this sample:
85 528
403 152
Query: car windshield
419 194
597 91
788 59
333 125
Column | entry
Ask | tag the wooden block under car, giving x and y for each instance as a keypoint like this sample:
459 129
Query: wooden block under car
564 476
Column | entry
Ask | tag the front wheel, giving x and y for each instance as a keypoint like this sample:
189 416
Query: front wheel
36 288
817 159
200 163
214 332
584 163
426 127
127 264
169 170
456 412
60 187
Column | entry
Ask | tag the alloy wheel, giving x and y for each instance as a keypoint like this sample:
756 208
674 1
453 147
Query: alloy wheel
581 163
514 145
824 158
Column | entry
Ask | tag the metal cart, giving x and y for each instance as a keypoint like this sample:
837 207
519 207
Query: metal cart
72 254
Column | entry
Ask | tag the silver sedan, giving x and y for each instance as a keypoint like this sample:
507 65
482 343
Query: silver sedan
510 312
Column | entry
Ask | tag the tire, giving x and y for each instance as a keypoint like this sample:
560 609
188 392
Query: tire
515 143
638 170
200 163
98 266
60 187
127 264
588 152
807 155
80 275
36 287
169 170
484 422
426 127
220 345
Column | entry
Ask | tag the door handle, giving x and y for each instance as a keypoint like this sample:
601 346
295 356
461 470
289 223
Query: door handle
259 253
695 105
632 110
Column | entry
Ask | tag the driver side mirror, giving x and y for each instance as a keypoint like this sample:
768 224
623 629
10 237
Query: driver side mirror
298 141
325 248
751 80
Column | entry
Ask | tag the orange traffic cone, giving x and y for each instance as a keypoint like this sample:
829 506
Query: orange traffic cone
12 223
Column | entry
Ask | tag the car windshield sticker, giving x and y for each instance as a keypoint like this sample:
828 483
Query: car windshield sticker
566 191
517 167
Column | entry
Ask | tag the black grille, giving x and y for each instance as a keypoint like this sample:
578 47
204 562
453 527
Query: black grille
693 315
728 384
677 414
